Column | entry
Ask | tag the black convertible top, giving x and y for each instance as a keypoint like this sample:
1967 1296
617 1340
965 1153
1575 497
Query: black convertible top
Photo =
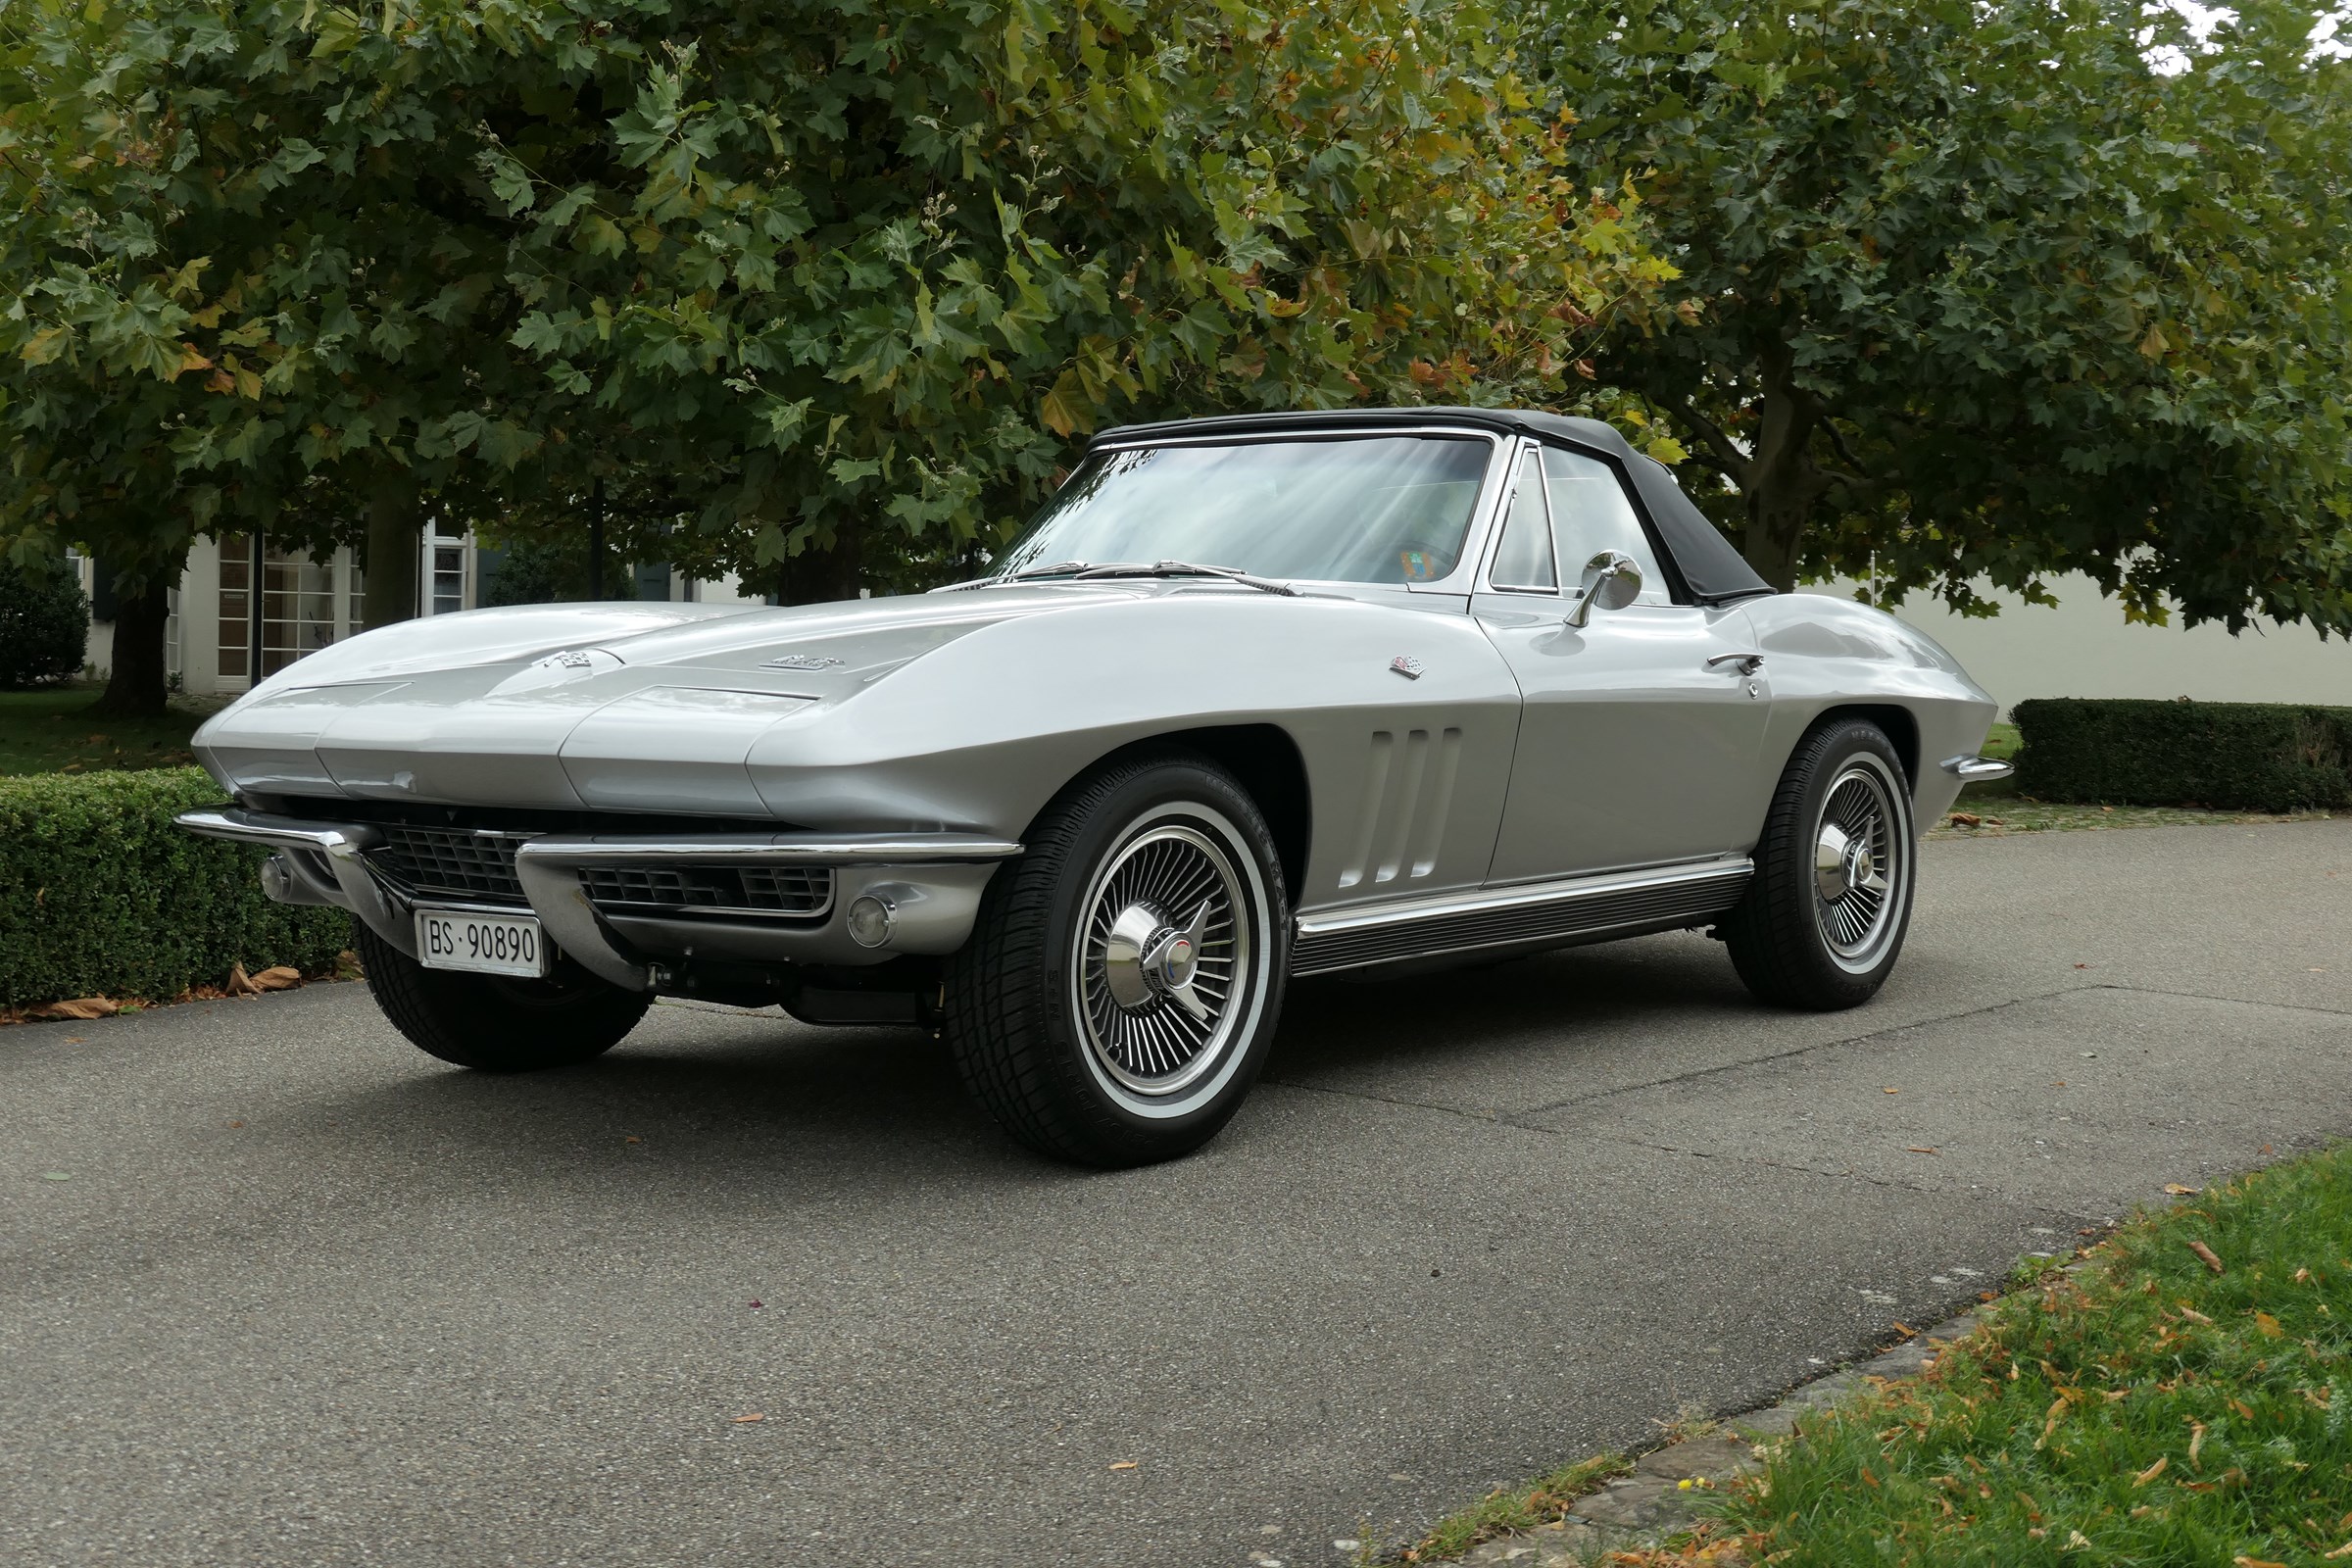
1709 567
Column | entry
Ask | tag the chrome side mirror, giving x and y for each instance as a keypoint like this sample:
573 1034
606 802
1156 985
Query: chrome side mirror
1611 582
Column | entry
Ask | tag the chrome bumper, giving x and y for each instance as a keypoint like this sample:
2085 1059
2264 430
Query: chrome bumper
930 883
1976 769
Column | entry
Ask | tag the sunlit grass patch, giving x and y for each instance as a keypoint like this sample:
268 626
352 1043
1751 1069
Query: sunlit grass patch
1508 1509
2146 1410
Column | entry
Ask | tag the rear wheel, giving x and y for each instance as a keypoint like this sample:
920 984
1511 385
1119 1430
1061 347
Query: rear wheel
1121 988
496 1025
1824 919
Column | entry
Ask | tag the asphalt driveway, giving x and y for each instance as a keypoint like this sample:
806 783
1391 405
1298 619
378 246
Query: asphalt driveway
277 1289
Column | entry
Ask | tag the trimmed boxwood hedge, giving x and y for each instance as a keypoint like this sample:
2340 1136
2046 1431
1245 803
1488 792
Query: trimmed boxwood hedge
101 895
2256 757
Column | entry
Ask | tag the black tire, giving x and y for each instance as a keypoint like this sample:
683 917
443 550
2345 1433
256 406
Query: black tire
495 1024
1795 941
1033 1014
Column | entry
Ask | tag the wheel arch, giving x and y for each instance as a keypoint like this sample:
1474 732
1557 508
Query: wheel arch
1898 723
1266 762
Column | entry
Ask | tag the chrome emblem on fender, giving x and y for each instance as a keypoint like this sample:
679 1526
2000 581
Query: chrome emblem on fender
803 661
570 658
1407 665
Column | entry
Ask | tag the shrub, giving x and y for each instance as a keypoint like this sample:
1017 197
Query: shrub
44 625
100 895
2263 756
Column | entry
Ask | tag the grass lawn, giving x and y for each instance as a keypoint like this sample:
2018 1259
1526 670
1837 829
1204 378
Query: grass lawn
50 732
2185 1398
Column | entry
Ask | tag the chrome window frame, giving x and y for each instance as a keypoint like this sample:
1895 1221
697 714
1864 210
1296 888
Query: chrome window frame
1476 533
1670 577
1523 453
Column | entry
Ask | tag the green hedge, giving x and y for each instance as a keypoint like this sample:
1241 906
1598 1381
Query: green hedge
101 895
2258 756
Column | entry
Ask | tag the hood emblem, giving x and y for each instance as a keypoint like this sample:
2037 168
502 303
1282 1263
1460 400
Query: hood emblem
1407 665
570 658
803 661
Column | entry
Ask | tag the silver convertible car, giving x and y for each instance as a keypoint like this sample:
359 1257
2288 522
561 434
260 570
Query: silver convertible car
1253 698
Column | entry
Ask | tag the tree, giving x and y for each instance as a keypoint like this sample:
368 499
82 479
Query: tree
817 292
251 288
1977 293
44 625
857 276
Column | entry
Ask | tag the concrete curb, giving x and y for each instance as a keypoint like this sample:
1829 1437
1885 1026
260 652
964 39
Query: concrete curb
1668 1487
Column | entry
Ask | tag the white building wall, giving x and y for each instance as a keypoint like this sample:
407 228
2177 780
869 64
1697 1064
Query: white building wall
2082 647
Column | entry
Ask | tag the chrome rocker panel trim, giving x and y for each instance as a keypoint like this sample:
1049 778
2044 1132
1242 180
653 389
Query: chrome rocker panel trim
1563 914
931 881
1977 769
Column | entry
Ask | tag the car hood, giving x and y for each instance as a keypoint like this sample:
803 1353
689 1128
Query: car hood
590 706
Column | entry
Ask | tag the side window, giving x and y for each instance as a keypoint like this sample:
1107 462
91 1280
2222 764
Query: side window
1524 560
1590 513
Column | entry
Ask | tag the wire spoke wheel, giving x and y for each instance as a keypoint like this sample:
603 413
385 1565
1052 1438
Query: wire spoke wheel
1859 861
1162 957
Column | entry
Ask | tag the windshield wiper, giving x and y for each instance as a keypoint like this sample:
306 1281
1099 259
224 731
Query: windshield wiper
1060 569
1184 569
1078 570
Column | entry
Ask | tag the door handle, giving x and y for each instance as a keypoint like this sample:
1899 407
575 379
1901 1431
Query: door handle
1748 664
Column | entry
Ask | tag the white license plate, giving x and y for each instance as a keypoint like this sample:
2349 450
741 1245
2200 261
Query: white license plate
481 943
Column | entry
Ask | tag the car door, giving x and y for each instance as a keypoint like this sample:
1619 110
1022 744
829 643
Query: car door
1640 731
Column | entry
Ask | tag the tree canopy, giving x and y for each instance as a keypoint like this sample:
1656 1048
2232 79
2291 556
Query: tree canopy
1979 294
811 279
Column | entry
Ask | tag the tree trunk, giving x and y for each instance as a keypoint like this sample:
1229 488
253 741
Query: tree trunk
135 687
1781 485
819 577
1776 533
395 541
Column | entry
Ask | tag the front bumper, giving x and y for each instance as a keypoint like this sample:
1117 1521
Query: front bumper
929 883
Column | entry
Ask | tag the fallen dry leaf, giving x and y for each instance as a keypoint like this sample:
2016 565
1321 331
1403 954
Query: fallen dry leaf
1125 1464
2179 1190
2255 1562
2267 1326
1890 1091
2151 1472
2344 1550
240 984
1965 819
278 977
78 1008
754 1416
2206 1252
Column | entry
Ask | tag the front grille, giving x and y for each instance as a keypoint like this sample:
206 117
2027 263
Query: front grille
799 891
451 861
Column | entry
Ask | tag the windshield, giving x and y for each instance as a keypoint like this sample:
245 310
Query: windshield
1372 508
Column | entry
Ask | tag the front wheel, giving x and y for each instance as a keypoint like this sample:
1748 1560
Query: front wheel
1824 918
496 1025
1120 990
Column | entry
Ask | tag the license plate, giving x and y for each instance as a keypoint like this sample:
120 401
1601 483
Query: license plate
480 944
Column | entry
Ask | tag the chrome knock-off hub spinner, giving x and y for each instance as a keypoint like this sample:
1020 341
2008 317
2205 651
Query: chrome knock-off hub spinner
1146 958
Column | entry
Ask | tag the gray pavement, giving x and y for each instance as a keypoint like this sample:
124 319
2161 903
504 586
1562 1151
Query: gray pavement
303 1297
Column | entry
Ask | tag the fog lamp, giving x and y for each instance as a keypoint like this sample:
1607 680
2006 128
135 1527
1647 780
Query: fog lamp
871 920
